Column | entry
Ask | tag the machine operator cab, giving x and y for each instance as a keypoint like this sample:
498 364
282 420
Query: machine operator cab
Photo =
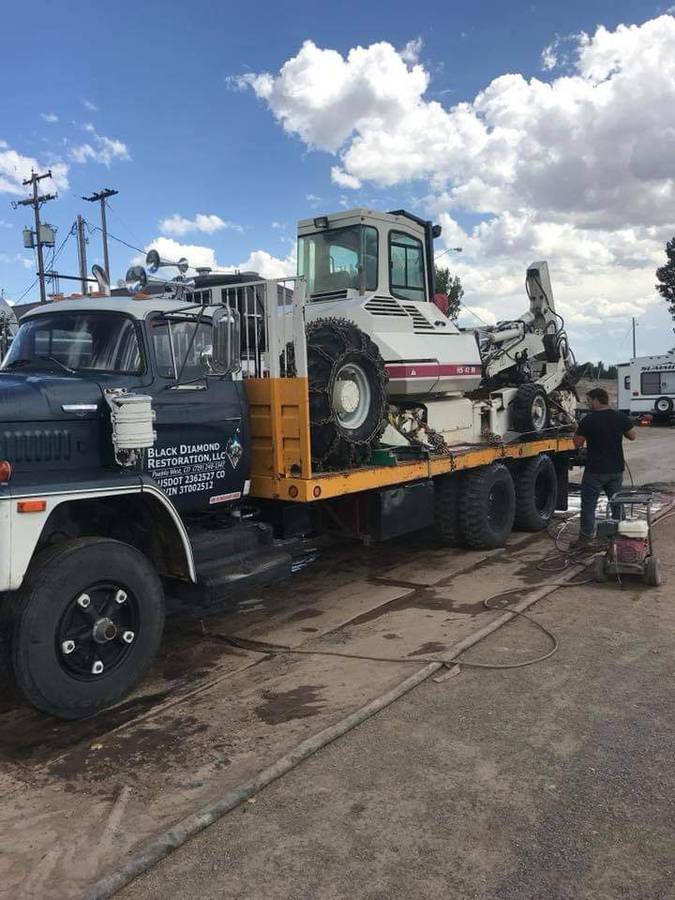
363 252
377 271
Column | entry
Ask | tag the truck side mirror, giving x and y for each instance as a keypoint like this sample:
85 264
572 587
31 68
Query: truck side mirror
224 356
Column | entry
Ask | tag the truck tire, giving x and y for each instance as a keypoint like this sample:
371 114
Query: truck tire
347 393
529 409
536 486
88 625
447 491
487 507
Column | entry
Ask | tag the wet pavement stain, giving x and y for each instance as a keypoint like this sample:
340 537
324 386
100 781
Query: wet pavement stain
125 753
283 706
27 736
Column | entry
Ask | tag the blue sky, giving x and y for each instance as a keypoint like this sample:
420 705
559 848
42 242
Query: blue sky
145 87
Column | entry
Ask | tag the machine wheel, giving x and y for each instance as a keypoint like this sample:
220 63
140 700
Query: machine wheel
536 494
664 405
447 491
487 507
529 409
598 570
347 393
652 572
89 622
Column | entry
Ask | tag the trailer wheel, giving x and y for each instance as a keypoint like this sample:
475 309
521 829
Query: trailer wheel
652 572
447 490
88 625
487 507
536 486
664 405
347 393
529 409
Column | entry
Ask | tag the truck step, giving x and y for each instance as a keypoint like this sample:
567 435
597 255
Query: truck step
235 578
223 542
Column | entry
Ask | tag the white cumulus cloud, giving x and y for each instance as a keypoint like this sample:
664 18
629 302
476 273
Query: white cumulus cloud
260 261
208 223
16 168
100 149
49 117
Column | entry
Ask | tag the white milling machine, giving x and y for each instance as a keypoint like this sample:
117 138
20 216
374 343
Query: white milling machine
446 385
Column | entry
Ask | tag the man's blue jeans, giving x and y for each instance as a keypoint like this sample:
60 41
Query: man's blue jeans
592 484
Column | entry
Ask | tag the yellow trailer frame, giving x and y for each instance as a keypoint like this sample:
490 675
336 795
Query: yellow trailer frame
281 464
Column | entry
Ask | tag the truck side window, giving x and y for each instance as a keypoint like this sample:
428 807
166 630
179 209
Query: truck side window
181 335
406 266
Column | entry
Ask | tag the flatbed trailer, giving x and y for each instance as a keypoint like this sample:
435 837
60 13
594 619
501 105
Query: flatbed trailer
282 475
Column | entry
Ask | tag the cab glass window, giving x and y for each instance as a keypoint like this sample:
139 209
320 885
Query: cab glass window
339 259
86 341
184 344
406 266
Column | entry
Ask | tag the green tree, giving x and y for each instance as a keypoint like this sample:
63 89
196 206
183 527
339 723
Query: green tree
666 277
452 287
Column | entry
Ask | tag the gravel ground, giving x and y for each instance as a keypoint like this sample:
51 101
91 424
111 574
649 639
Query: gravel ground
553 781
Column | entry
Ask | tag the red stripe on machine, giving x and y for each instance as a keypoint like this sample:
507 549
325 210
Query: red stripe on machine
430 370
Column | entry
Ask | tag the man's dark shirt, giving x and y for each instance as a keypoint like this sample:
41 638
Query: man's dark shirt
604 430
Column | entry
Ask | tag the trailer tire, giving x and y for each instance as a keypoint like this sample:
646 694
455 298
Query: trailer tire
664 406
121 622
487 507
344 426
536 486
447 529
652 573
529 409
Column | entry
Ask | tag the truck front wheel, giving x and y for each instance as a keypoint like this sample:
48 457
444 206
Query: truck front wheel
88 623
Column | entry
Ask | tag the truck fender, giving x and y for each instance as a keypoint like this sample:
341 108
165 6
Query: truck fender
140 514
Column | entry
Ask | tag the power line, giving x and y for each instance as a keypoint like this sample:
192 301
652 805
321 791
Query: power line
119 240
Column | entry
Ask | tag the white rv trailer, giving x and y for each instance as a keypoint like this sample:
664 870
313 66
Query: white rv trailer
646 384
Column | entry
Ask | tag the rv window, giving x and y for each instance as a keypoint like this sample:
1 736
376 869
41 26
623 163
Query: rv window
668 382
650 383
626 382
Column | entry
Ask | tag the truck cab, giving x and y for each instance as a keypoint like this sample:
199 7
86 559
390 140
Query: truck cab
124 471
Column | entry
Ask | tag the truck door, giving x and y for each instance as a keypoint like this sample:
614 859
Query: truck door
201 455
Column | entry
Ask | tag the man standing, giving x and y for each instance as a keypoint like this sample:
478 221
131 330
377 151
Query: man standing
602 431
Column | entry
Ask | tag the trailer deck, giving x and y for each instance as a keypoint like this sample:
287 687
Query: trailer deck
281 467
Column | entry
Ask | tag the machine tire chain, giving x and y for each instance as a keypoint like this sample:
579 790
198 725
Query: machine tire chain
478 531
330 343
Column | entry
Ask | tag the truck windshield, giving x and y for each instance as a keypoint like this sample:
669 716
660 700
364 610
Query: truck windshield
86 341
338 259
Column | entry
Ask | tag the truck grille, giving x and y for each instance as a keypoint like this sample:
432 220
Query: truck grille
35 446
419 322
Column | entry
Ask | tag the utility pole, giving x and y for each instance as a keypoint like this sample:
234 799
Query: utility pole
101 197
36 202
82 254
634 346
